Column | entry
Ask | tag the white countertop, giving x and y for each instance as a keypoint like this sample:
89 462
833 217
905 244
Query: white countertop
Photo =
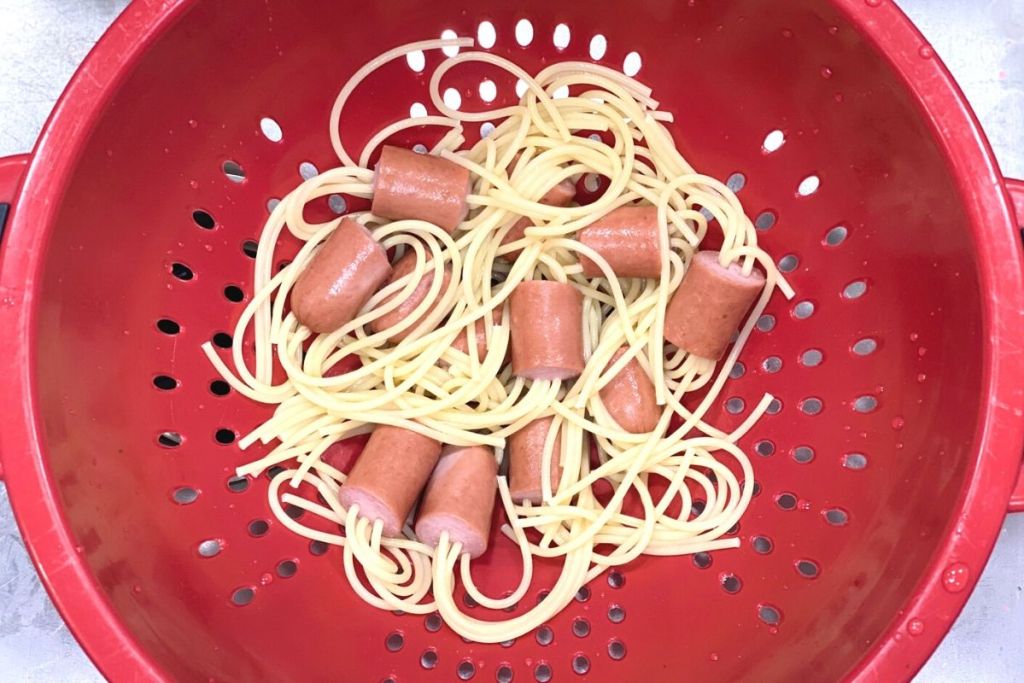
982 41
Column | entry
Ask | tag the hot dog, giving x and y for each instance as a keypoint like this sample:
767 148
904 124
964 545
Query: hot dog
629 397
389 475
403 267
421 186
525 453
559 195
627 238
349 267
547 330
461 342
460 499
709 305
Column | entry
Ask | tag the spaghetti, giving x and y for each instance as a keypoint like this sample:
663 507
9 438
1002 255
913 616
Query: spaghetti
425 385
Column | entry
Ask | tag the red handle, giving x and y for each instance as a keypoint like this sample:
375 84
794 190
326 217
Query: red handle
11 170
1016 190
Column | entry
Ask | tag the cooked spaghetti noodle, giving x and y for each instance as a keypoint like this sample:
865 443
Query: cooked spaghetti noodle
611 127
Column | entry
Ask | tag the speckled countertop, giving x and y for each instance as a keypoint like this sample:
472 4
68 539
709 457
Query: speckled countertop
982 41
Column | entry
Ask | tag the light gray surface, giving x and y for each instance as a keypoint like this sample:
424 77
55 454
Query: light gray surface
41 43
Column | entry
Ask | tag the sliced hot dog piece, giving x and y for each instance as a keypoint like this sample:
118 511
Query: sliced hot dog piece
421 186
340 278
389 475
547 330
403 267
559 195
709 305
460 499
525 454
629 397
627 238
461 342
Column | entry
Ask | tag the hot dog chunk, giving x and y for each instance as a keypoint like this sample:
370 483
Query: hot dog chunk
389 475
420 186
627 238
547 330
461 342
525 452
629 397
340 278
709 305
403 267
460 499
559 195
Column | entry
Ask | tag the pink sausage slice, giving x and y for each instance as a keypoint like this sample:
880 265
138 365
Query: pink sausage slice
629 397
340 278
709 305
403 267
389 475
460 499
559 195
525 453
461 342
627 238
421 186
546 330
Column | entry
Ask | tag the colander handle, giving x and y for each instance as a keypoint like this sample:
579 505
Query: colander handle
11 170
1015 188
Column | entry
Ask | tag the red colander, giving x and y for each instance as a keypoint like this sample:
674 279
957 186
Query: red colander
884 470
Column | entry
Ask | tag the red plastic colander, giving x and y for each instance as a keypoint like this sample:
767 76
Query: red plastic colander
884 471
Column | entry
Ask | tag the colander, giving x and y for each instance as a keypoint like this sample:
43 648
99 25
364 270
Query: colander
883 470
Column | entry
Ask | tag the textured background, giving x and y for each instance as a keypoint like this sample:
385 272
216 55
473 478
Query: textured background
982 41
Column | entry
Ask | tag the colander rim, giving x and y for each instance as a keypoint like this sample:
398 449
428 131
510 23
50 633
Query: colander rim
980 506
